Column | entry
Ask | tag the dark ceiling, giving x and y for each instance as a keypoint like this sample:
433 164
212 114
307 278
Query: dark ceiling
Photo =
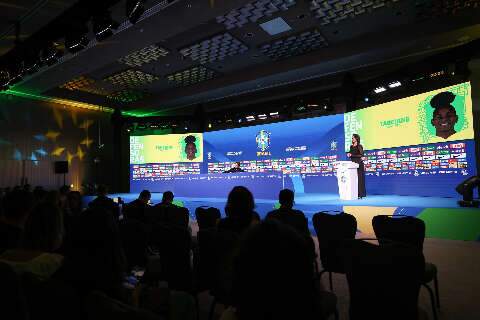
217 53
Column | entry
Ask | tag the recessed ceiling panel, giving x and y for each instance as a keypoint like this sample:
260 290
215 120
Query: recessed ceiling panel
143 56
126 96
253 11
131 78
328 11
294 45
85 84
214 49
191 76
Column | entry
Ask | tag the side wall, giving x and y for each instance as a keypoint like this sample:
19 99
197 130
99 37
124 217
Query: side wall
35 134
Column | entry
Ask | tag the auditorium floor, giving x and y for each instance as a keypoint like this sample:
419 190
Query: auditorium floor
458 265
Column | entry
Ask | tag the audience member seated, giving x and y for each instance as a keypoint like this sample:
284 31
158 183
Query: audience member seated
39 194
42 236
17 206
104 202
168 213
137 208
239 211
286 214
272 276
94 258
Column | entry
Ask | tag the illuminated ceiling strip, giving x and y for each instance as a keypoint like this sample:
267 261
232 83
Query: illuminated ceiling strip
77 104
70 103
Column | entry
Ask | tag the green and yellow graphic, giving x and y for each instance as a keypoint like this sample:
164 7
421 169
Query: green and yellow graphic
436 116
170 148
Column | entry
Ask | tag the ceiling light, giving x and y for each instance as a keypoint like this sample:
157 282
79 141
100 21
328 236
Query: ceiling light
272 114
50 54
134 10
250 118
379 89
275 26
103 26
76 41
394 84
262 116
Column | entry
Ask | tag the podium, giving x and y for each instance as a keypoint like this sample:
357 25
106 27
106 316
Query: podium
347 178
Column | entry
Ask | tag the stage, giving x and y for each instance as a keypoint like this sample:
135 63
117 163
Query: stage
443 217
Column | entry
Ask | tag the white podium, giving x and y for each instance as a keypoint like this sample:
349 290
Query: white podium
347 180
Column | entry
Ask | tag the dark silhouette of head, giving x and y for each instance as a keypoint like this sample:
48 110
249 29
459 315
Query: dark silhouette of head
240 203
74 202
102 190
145 196
94 257
444 116
190 147
167 197
17 205
286 197
273 274
356 137
44 229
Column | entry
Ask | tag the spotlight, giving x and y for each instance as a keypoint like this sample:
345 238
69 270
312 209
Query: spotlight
103 26
394 84
209 126
76 40
366 99
134 10
379 90
466 190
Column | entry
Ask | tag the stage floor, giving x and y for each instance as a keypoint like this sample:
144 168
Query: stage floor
443 217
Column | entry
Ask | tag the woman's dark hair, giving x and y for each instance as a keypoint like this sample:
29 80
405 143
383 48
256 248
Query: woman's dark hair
240 203
190 140
442 100
273 274
357 137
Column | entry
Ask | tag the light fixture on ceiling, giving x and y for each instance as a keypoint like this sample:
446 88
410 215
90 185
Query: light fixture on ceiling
250 118
262 116
104 25
76 39
134 10
379 89
50 54
394 84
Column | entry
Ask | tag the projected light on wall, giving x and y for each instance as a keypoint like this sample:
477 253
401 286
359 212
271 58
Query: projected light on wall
144 56
191 76
253 11
214 49
294 45
329 12
131 78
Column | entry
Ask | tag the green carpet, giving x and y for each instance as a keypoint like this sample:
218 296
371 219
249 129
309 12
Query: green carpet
453 224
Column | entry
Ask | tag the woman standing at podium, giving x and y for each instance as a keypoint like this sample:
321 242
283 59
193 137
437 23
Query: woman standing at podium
355 155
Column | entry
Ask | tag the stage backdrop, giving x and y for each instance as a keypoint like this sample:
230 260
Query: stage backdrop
420 145
296 154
